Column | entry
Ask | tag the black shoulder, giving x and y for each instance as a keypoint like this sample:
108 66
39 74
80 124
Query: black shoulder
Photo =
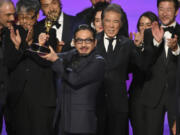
99 57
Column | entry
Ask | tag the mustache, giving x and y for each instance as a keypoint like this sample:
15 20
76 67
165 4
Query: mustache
84 48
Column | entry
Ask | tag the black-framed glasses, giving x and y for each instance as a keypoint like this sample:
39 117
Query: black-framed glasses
26 17
87 40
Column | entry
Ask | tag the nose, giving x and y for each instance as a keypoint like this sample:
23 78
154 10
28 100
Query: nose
11 18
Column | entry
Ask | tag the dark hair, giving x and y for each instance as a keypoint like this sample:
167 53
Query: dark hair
118 9
60 4
85 27
100 6
28 5
176 4
150 15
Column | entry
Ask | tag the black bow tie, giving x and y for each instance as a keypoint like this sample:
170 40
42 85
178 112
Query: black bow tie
111 39
170 29
57 25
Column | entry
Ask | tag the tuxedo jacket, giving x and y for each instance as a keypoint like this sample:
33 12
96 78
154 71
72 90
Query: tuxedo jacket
160 74
81 79
29 74
178 88
116 73
3 76
178 97
67 32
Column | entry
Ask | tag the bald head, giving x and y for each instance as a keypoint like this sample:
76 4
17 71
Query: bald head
7 12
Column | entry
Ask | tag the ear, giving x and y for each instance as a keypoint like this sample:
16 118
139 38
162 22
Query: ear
72 43
37 16
95 42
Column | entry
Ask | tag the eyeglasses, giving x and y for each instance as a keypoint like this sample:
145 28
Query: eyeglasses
87 40
26 17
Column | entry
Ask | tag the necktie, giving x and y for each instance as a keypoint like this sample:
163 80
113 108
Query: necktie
110 46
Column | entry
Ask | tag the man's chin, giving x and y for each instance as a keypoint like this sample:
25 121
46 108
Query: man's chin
84 54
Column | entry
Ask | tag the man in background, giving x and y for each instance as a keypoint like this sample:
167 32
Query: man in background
63 26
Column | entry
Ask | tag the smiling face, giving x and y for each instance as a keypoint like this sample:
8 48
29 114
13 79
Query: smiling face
27 19
7 12
84 42
112 23
144 23
167 12
51 7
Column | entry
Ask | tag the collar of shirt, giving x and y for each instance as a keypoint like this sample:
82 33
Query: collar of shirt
59 31
106 42
171 25
167 35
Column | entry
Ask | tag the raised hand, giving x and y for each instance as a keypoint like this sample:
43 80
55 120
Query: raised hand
173 43
15 37
138 38
157 32
29 38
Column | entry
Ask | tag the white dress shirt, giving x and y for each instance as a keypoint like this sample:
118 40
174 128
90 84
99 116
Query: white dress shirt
59 31
106 42
167 35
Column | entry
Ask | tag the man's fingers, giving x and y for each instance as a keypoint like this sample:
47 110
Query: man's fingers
17 32
51 49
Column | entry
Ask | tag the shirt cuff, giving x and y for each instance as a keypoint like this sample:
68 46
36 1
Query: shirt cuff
156 42
177 52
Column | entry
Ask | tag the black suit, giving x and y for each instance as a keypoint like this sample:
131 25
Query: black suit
159 90
67 32
178 97
135 105
3 82
80 83
114 86
31 96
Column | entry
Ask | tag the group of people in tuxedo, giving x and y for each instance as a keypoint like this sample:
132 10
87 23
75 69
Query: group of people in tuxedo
79 87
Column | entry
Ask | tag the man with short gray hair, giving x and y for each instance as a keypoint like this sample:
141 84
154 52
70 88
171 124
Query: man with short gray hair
118 52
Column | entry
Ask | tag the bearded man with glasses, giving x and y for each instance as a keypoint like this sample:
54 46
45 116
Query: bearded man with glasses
82 71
